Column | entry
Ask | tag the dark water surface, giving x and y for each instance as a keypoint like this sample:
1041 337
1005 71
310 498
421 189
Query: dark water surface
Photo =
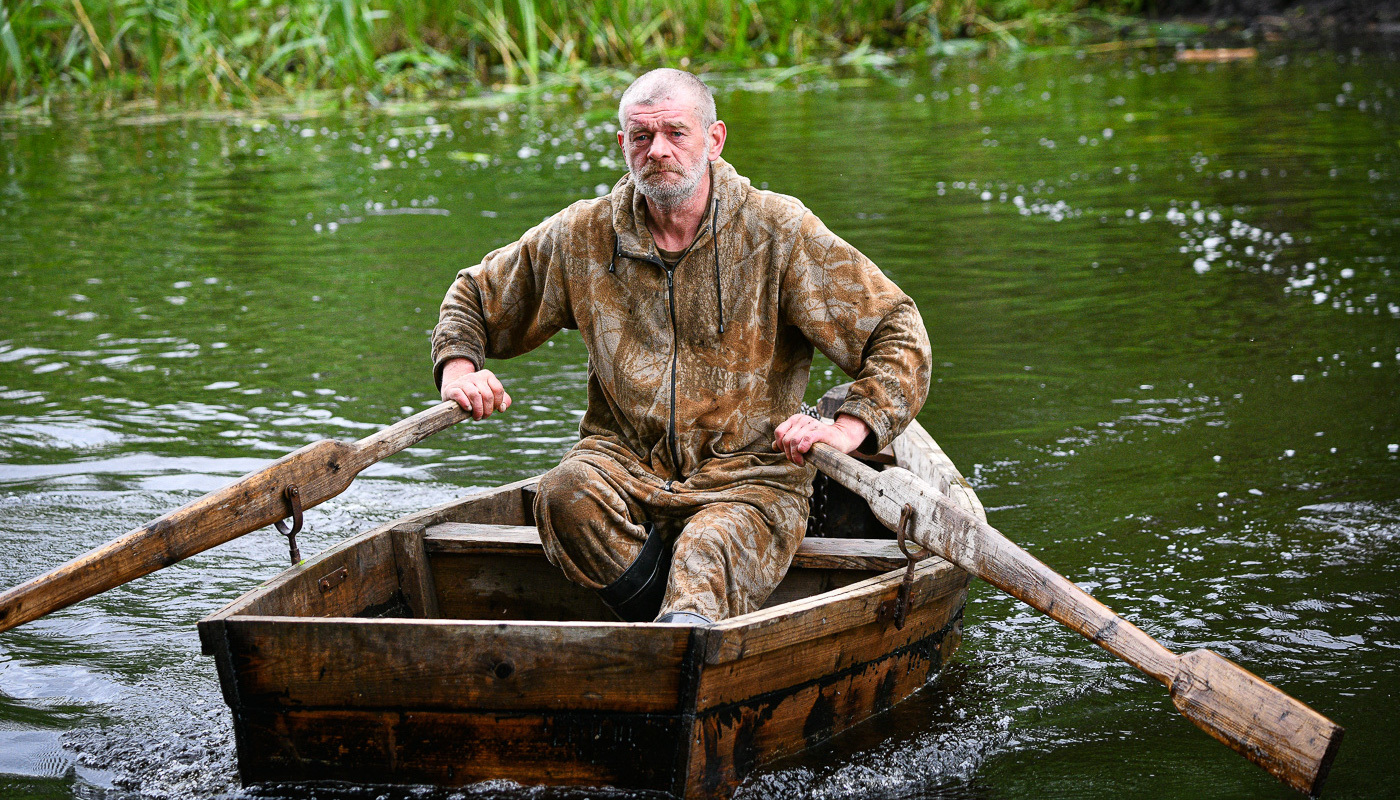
1166 324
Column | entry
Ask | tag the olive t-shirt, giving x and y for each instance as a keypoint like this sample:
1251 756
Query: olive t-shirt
671 257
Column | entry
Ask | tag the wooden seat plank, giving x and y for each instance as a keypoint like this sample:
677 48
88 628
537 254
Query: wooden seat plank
460 538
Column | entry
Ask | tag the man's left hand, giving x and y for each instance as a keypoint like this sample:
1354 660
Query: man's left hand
797 435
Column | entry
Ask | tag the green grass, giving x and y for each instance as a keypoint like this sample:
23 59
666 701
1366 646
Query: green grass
242 53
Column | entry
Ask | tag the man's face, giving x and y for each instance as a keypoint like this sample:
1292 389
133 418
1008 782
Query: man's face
666 149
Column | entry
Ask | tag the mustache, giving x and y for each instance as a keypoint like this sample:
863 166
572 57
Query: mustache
656 167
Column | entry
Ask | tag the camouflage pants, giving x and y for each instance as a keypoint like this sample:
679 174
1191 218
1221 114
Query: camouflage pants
730 547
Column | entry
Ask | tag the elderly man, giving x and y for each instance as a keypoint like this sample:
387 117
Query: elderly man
699 299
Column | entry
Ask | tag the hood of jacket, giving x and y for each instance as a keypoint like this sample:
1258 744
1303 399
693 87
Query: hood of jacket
691 369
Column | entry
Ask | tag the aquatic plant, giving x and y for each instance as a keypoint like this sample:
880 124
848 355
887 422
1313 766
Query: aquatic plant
242 52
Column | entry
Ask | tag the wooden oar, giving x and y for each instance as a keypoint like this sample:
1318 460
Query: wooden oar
1265 725
319 471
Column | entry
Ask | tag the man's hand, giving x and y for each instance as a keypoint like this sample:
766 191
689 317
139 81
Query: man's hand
477 391
800 432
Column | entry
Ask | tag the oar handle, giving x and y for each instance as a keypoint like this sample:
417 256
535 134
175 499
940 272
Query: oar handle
382 444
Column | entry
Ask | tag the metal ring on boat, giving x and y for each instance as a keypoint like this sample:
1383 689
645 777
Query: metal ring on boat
293 495
906 586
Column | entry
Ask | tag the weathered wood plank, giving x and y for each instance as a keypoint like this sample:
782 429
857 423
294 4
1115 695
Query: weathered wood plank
828 614
374 663
510 587
415 577
320 471
371 580
1294 743
865 555
870 555
730 741
920 454
445 748
1250 715
816 656
471 538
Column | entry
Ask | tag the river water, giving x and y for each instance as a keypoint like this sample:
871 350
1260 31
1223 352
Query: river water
1166 324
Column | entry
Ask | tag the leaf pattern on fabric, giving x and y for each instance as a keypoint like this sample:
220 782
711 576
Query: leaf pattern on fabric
765 267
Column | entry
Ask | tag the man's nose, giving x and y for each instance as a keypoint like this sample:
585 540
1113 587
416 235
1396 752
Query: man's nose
660 149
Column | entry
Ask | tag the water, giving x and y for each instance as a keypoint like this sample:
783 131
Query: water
1167 342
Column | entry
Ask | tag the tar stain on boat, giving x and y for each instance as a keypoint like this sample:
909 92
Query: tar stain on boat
834 696
884 693
747 720
821 720
621 744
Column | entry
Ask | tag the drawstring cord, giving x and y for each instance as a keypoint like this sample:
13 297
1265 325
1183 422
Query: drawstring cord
714 236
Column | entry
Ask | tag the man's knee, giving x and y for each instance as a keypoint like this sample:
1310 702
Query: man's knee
565 495
721 527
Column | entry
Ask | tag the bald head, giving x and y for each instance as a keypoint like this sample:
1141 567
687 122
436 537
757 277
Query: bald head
661 85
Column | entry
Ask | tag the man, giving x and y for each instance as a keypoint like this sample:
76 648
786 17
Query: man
699 299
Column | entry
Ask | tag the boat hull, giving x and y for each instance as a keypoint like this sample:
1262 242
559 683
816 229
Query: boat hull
444 649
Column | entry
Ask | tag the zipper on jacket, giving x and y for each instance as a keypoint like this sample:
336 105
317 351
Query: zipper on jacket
675 355
671 438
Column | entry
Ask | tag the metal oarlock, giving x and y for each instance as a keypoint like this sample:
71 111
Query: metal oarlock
293 495
906 534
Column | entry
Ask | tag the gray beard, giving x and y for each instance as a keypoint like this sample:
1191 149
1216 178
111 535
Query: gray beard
671 195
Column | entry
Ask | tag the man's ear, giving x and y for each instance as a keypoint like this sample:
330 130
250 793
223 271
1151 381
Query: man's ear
717 134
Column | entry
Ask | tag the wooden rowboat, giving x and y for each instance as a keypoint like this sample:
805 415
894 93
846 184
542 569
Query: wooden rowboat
444 649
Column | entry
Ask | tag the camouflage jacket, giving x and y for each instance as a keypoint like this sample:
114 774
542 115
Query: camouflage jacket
690 370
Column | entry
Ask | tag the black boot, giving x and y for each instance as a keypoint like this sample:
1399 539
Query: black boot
636 596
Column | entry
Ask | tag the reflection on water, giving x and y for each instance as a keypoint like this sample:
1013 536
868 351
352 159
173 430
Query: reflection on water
1167 334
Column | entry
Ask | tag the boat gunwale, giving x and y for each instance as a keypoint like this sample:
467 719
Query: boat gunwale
726 641
233 608
914 437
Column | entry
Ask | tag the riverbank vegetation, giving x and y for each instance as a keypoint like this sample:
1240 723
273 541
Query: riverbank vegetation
244 53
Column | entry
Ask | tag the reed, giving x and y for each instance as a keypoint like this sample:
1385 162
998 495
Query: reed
242 52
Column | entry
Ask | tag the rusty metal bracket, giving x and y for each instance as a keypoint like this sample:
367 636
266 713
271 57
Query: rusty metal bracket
906 534
293 495
333 580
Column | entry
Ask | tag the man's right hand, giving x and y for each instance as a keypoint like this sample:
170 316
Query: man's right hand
477 391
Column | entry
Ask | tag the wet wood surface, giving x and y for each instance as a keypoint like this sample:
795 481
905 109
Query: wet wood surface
320 471
397 663
586 702
456 748
732 740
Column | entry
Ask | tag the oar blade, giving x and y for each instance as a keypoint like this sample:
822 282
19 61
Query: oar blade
1257 719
